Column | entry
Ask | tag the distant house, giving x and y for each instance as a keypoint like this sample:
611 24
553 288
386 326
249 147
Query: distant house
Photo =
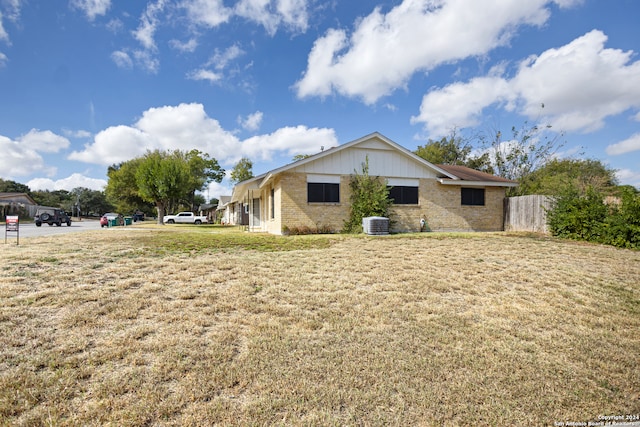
17 203
314 192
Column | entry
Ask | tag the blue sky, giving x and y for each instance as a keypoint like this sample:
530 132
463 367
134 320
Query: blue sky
85 84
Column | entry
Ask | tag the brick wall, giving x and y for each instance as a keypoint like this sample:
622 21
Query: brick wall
438 204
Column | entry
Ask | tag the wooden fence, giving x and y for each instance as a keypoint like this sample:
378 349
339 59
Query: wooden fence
527 213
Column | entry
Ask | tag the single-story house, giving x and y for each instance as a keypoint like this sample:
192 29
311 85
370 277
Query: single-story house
314 192
16 203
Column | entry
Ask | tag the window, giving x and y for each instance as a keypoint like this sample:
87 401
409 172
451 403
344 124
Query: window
323 192
472 196
403 195
273 204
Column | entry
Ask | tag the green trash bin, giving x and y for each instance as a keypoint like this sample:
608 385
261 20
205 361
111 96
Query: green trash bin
128 220
112 222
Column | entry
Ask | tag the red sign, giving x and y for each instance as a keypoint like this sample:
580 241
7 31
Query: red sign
12 222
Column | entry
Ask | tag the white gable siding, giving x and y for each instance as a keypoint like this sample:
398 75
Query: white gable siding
383 161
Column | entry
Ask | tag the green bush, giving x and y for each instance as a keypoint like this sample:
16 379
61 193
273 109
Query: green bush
369 197
622 227
589 218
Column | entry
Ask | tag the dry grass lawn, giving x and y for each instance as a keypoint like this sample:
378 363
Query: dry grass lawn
184 326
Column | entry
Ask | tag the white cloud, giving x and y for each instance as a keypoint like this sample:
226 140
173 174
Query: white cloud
629 177
19 159
122 59
579 84
92 8
146 60
252 122
4 36
45 141
203 74
114 145
289 140
148 24
385 50
271 14
3 59
188 46
69 183
76 133
221 59
207 13
626 146
460 105
186 127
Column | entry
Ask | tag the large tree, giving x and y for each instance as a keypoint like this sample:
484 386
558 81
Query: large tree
527 149
557 176
242 171
454 150
202 170
162 178
89 201
122 188
169 179
8 186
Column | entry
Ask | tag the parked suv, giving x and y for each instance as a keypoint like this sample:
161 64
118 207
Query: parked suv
52 216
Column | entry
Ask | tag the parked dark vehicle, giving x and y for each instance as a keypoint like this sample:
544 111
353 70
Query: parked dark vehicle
138 216
51 216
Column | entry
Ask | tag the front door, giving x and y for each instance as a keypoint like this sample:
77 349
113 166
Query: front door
255 213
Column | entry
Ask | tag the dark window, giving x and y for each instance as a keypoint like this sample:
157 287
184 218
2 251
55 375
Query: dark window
402 195
472 196
323 192
273 204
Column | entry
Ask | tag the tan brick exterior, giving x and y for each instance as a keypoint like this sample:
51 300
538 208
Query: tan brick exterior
439 204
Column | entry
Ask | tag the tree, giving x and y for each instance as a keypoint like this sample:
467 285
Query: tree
369 197
56 199
558 175
454 150
122 188
242 171
202 170
163 178
8 186
90 201
529 148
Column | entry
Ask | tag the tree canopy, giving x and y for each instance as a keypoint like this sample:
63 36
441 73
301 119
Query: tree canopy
454 150
242 171
557 176
167 179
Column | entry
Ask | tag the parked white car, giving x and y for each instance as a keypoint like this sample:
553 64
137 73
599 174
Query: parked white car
184 218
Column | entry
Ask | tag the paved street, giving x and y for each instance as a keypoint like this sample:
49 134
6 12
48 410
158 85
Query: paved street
30 229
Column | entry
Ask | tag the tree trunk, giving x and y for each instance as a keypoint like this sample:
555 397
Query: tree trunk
160 207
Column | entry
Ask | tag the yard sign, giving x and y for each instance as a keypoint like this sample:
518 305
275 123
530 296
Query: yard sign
12 226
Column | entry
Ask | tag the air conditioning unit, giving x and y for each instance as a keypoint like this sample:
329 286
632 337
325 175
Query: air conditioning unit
375 225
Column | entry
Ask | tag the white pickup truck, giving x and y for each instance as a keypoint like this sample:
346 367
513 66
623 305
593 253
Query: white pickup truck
184 218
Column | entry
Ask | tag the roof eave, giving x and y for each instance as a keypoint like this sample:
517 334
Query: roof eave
445 181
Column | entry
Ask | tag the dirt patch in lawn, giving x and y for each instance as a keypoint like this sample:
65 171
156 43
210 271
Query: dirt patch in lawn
139 327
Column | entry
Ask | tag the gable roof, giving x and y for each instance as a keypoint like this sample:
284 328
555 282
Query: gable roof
17 198
448 174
